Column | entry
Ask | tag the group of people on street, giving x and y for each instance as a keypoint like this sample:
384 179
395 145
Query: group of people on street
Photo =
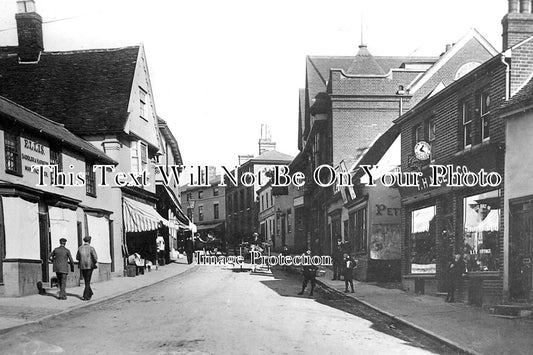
87 262
343 264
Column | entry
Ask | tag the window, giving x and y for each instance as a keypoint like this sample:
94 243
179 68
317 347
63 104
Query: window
262 202
419 133
144 155
12 151
357 226
266 199
216 211
481 230
241 198
56 158
431 137
189 213
189 196
200 194
90 180
230 204
484 108
423 242
142 103
134 157
215 191
289 222
200 213
467 125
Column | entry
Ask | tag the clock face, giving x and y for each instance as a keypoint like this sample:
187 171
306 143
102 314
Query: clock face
422 150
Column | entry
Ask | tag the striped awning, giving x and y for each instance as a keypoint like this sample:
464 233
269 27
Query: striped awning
140 217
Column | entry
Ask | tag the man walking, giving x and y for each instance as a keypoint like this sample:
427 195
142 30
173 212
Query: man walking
61 257
87 260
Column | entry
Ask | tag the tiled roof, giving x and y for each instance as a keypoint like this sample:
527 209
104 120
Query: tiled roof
365 63
172 141
318 67
87 90
53 131
523 97
272 155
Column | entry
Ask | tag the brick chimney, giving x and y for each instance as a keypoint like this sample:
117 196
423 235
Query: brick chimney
265 142
29 31
518 23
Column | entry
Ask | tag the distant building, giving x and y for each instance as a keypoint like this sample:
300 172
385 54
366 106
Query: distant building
206 206
242 204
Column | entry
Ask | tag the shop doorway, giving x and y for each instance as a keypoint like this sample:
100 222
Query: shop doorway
44 235
520 250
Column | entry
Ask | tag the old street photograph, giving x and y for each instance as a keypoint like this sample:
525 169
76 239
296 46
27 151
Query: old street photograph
266 177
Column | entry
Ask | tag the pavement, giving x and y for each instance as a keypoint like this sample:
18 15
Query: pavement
470 329
16 312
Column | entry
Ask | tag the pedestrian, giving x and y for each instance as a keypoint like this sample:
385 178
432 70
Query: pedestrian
456 269
160 244
309 273
61 258
337 261
349 265
87 261
285 252
189 249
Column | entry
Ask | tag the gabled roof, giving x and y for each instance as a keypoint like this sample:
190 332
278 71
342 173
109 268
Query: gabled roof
171 140
471 34
87 90
520 100
54 132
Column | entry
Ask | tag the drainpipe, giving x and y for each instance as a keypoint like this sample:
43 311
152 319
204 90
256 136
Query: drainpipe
507 54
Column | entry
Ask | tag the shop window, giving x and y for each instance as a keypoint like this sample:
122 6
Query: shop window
467 125
481 230
423 243
12 152
90 177
200 213
216 211
484 108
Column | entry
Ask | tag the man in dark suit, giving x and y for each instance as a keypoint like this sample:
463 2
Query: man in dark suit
88 261
189 249
61 257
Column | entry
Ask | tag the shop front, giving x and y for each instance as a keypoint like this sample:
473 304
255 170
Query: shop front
449 223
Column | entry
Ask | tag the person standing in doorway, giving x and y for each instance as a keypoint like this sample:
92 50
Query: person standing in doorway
88 261
61 258
456 269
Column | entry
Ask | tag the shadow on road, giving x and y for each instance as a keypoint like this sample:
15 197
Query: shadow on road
288 284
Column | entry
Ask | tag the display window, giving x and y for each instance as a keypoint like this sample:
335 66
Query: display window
481 230
423 242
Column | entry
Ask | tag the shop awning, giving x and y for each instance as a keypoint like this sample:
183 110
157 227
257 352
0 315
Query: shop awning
174 205
202 227
140 217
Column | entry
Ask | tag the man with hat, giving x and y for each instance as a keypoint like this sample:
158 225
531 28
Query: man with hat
61 257
87 261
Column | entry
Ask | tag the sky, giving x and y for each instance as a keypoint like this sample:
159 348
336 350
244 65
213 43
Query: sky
221 68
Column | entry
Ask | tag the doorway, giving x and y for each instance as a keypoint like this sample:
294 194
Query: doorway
520 250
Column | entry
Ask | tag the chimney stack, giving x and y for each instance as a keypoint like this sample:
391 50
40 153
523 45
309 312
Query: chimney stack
265 142
29 31
518 23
